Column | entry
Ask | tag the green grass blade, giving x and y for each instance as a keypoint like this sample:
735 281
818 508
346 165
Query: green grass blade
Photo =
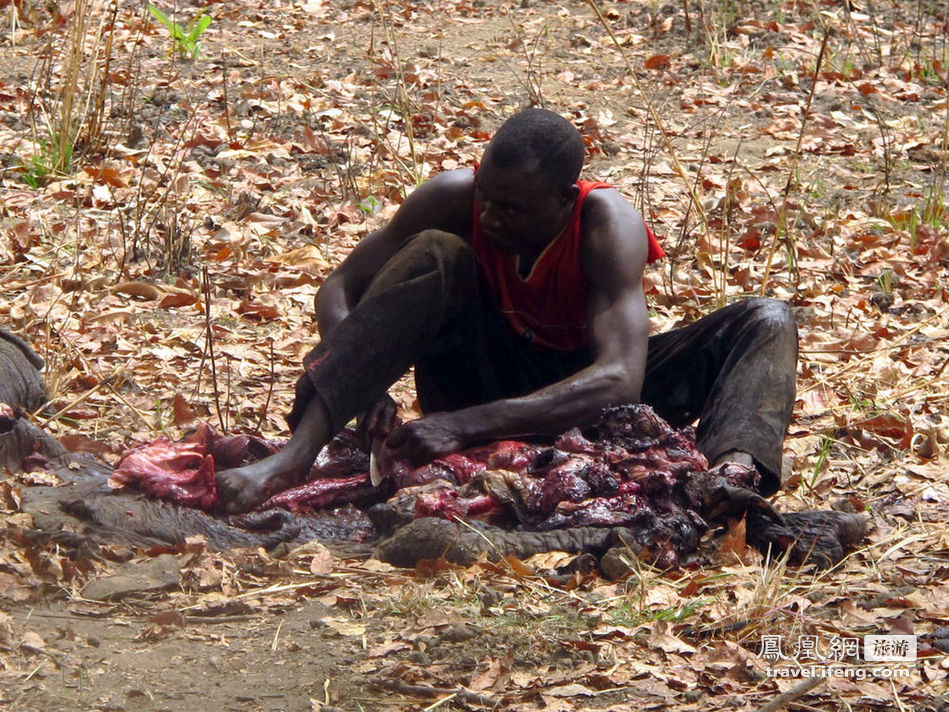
160 16
174 29
200 25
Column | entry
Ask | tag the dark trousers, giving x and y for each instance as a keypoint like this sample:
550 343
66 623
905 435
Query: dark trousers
734 370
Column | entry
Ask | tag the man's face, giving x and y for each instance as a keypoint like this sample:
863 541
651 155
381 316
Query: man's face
520 209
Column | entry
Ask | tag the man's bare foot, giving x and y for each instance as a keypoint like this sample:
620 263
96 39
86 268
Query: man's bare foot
243 488
768 484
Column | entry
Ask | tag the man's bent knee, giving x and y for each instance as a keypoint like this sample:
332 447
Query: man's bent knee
441 251
432 260
771 312
438 242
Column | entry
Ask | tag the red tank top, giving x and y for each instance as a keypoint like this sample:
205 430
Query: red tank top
549 307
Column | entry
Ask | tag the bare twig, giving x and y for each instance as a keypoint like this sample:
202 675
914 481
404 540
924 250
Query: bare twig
781 221
209 347
786 698
657 120
532 78
382 8
227 105
273 379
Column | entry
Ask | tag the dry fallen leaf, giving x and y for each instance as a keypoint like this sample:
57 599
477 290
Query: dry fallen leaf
322 561
31 642
345 626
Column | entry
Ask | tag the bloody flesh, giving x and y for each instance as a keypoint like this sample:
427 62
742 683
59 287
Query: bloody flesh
628 471
632 453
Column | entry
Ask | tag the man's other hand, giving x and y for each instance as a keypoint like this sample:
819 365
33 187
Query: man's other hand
378 421
421 441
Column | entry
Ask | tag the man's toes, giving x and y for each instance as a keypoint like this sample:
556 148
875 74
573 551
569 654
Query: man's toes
224 490
232 507
243 501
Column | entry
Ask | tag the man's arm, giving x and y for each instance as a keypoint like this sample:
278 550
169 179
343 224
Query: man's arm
614 255
443 203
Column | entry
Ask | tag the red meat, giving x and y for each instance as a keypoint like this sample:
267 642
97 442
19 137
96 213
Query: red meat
631 473
182 473
323 493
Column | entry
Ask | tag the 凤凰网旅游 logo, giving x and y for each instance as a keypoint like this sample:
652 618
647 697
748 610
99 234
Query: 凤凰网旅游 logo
839 656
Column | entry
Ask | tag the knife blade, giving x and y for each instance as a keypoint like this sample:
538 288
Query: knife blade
375 475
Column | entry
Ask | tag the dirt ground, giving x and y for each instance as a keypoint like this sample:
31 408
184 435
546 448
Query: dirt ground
261 162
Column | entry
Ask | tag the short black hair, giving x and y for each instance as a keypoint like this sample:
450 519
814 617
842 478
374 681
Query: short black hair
541 137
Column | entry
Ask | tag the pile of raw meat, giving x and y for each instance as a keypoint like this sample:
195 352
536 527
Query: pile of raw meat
631 470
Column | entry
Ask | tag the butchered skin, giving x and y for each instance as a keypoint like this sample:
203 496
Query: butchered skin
632 474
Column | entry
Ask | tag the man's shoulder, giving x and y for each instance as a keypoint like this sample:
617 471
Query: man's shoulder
614 234
605 198
607 208
458 183
444 202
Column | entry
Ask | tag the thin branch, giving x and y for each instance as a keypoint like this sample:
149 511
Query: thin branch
781 222
209 345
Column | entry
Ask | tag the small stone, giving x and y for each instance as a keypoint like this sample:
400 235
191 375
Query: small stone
151 576
616 563
458 633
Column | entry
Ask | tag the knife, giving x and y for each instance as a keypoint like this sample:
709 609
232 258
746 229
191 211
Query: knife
375 475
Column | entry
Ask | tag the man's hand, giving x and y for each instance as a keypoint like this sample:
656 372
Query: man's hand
421 441
377 422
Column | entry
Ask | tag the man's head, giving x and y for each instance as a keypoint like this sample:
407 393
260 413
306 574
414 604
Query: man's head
540 140
526 184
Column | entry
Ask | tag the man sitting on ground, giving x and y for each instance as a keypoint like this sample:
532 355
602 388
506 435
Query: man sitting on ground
517 293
